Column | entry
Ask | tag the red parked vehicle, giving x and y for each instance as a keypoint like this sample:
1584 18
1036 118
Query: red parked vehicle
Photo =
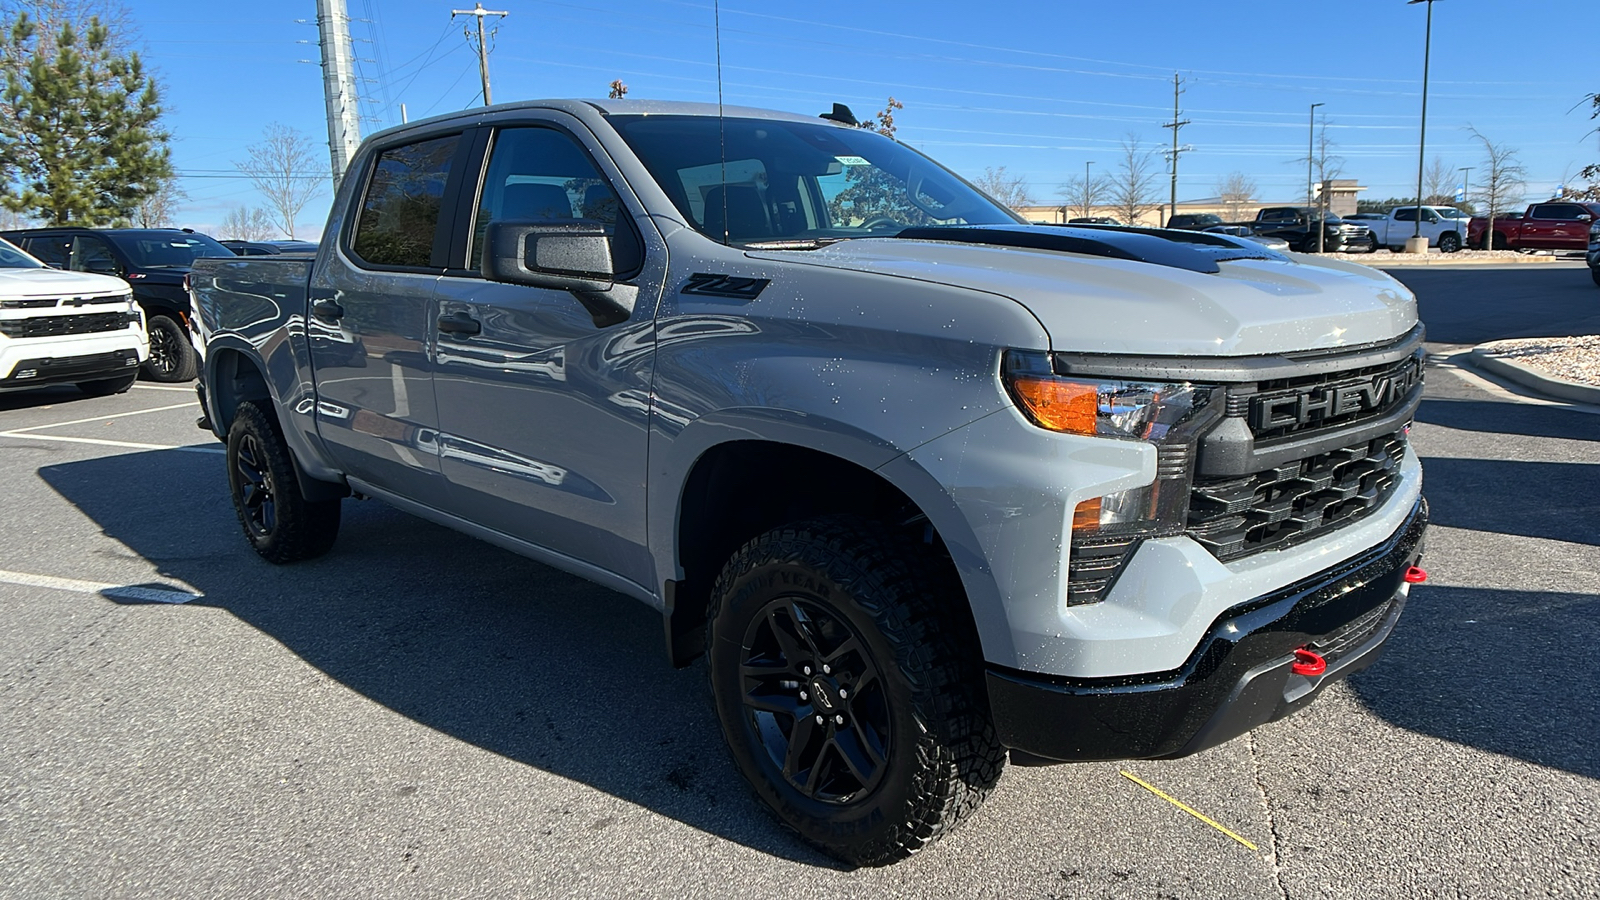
1556 225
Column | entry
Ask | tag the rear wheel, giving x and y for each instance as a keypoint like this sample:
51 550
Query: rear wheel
1449 243
281 524
172 357
105 387
849 689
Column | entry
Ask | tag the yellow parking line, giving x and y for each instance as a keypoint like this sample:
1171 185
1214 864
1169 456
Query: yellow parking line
1188 809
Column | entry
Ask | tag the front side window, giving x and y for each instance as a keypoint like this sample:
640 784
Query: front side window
542 174
754 181
400 213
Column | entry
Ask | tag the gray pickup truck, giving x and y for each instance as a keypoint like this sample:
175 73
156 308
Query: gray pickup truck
929 487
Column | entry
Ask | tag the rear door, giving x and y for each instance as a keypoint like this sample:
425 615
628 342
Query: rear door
370 325
543 416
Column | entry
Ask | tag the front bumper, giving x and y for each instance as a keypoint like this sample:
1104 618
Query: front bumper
43 371
1238 677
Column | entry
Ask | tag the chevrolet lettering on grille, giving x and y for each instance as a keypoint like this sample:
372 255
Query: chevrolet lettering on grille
1351 398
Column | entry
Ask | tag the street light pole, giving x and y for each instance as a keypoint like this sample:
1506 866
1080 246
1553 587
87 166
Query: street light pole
1417 243
1466 173
1087 196
1311 154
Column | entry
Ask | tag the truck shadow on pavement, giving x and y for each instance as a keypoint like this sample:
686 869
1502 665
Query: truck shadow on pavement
1506 417
1510 672
506 654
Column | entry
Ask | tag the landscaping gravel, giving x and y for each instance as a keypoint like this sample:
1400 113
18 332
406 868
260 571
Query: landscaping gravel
1573 358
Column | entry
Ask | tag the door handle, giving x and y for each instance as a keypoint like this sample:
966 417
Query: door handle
327 310
459 323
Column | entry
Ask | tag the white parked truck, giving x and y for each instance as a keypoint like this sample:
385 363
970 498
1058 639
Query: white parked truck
1443 226
61 327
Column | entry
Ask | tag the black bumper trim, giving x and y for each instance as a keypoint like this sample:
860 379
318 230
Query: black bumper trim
71 369
1237 679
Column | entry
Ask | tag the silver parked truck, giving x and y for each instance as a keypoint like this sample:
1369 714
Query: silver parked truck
929 487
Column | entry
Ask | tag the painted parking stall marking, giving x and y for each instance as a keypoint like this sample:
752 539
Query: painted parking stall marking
137 592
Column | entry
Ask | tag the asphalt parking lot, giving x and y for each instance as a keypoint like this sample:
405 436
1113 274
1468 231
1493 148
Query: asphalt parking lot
421 714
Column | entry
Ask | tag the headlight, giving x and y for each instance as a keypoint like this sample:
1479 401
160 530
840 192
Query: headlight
1140 410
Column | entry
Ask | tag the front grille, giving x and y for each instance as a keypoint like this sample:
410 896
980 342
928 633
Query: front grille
1234 517
56 326
1310 403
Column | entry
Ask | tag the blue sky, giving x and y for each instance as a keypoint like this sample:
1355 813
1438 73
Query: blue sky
1037 87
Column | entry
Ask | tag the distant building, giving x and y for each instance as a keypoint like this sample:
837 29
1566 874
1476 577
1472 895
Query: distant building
1341 202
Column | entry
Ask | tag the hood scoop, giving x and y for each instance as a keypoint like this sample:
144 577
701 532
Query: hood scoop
1192 250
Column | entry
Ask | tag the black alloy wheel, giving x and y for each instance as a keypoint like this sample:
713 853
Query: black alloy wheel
848 681
1372 243
814 700
172 357
278 521
1449 243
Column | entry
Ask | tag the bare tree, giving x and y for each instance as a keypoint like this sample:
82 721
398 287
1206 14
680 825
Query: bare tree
1133 188
1237 192
1439 183
1010 190
1503 183
1592 171
618 90
1082 195
285 171
158 209
246 224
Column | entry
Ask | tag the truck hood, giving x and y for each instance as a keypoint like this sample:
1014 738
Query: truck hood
1093 304
41 283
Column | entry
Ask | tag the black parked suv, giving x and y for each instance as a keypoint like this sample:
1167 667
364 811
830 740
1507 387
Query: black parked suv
154 261
1194 221
1298 226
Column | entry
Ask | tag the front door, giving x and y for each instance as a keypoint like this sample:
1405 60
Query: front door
543 415
370 324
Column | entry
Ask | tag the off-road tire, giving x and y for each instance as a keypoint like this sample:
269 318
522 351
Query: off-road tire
901 602
105 387
1595 274
281 524
1449 243
172 357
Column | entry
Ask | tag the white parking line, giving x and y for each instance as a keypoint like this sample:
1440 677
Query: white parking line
113 591
163 387
136 412
100 442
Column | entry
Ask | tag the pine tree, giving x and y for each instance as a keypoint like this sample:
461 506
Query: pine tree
84 143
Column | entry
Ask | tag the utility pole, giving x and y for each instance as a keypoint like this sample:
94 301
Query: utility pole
1176 125
1311 152
483 48
338 84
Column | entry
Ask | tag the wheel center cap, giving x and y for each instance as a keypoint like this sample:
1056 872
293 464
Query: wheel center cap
826 698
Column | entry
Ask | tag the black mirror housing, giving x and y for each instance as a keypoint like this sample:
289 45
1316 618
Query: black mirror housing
565 255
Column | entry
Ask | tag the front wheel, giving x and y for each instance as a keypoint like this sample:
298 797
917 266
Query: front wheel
1595 274
1449 243
849 688
172 357
1373 244
280 523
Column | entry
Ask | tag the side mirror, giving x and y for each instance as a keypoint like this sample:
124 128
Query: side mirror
567 255
102 267
1585 217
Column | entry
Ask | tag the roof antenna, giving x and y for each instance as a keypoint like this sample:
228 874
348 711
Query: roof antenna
722 122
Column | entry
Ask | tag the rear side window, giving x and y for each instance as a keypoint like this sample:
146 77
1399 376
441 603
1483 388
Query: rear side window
1405 215
400 214
52 251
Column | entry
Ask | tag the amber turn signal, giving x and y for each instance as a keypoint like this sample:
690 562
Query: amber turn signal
1057 404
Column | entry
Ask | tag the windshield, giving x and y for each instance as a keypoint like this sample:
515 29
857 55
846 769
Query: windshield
12 258
1450 212
166 249
795 182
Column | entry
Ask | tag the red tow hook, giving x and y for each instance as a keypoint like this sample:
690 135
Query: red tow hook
1308 663
1415 575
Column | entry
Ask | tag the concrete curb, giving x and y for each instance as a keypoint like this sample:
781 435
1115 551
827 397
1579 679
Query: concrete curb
1549 386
